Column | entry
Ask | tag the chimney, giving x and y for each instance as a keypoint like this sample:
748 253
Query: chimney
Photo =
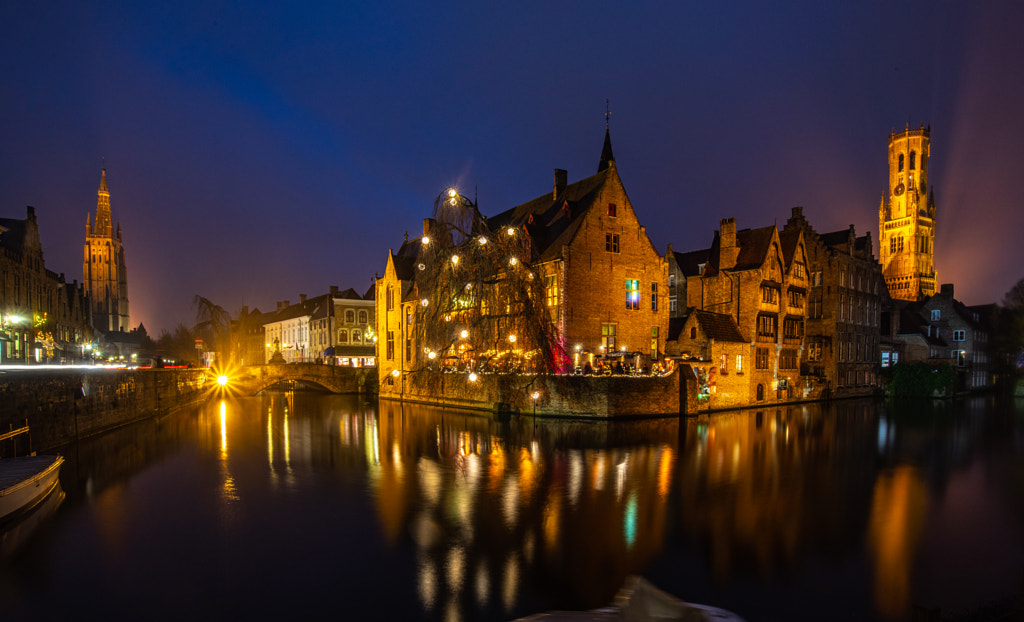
302 299
727 249
334 290
278 305
286 304
798 212
947 290
561 178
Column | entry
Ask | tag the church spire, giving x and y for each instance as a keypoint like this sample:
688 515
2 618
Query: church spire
606 152
103 224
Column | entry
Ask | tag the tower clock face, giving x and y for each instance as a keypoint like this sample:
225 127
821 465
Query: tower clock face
898 190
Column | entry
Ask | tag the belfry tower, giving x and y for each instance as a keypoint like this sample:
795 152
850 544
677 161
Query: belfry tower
103 272
906 218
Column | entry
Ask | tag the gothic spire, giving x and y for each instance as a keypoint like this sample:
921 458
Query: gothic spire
103 207
606 152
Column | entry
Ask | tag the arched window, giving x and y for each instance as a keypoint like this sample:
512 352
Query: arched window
357 337
350 317
760 392
901 163
342 336
362 317
913 160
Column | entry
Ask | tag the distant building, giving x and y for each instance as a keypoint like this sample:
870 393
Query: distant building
944 330
248 338
906 218
42 318
104 274
287 330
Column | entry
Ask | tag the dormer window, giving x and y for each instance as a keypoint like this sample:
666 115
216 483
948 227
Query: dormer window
612 210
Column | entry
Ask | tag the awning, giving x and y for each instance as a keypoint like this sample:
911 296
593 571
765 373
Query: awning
329 351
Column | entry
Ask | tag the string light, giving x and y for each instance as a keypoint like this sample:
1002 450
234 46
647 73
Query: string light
396 373
424 302
464 334
425 240
513 261
511 231
512 338
455 259
482 240
472 376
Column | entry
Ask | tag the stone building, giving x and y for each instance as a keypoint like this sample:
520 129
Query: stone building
966 334
42 317
603 282
342 332
248 338
750 280
287 330
906 218
846 295
104 274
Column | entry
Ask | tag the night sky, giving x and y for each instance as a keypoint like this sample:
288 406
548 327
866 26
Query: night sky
256 151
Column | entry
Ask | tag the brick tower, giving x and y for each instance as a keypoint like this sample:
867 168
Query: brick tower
103 271
906 218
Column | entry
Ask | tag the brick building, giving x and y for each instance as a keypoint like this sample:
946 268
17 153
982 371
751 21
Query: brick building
603 282
846 294
42 317
752 282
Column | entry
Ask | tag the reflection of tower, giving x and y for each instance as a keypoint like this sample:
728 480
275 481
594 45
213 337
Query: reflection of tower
103 271
906 218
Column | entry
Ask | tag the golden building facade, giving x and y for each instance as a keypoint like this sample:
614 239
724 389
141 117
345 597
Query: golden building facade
906 218
103 271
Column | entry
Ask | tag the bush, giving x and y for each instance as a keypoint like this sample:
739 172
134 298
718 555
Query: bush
920 380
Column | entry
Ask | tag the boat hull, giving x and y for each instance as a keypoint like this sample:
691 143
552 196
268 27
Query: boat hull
24 482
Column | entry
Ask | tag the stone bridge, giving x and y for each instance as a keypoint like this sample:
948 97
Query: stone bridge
252 379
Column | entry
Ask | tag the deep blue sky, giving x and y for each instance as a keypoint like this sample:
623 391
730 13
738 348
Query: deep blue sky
256 151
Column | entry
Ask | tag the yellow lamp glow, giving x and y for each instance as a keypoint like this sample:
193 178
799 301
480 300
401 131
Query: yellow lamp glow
472 376
222 380
464 334
425 239
396 373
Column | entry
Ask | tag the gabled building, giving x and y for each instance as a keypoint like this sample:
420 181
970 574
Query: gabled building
713 344
967 334
750 278
602 281
42 317
845 298
288 329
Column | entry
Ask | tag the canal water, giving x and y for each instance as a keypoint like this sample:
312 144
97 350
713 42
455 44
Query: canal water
298 504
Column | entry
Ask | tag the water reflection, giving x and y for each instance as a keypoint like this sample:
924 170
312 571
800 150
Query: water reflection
434 514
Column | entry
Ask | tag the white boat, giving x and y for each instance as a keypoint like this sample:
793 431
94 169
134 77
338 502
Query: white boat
639 601
26 481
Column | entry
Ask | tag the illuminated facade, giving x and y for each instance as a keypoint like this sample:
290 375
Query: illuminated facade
590 263
906 218
103 272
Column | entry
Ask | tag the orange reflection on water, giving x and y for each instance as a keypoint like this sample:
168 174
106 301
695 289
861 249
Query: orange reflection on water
898 511
665 465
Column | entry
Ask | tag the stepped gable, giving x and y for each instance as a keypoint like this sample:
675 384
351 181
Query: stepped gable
552 223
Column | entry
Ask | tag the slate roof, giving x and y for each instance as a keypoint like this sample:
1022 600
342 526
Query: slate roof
719 326
689 263
754 244
788 240
550 223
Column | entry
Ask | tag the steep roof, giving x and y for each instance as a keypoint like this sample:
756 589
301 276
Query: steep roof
690 262
754 244
788 239
553 223
719 326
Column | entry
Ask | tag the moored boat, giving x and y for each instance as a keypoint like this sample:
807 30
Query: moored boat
25 481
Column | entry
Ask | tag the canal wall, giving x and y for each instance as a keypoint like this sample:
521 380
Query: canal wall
62 405
568 396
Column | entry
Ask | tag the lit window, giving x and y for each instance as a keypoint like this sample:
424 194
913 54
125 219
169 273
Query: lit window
608 337
654 296
551 289
632 294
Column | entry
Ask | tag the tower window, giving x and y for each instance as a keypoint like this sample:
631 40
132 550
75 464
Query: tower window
913 160
901 164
